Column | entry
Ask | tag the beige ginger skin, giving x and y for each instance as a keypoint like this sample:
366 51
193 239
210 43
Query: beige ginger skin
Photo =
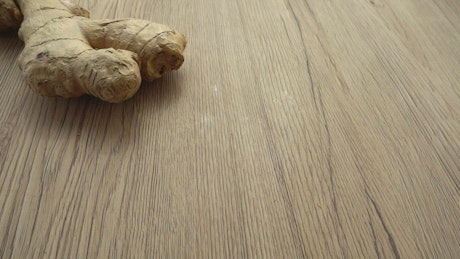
67 54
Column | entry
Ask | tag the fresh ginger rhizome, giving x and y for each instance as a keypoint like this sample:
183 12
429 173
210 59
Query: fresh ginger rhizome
68 54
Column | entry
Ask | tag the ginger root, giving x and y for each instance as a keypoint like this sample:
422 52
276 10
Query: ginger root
67 54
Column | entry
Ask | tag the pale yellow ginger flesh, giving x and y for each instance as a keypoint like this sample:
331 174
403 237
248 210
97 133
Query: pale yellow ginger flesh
67 54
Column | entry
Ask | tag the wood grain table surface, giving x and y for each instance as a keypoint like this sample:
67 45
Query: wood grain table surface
294 129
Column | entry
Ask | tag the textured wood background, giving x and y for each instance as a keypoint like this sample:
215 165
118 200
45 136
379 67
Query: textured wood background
295 129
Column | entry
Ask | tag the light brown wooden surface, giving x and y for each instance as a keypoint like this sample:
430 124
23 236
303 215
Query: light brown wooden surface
295 129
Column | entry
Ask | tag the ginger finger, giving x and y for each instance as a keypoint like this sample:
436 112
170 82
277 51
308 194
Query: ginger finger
10 15
59 58
159 47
